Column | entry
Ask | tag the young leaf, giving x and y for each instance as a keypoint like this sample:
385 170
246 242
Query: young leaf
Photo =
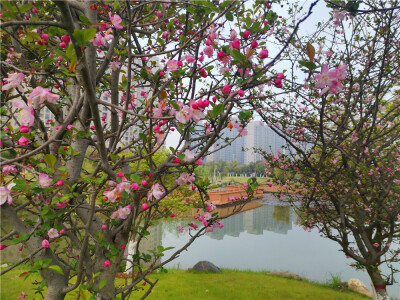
50 160
310 51
102 283
57 269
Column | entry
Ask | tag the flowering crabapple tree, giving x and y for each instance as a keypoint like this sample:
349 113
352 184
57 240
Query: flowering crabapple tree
342 127
118 78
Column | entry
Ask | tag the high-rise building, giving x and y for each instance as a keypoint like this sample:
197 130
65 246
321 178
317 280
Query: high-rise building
242 149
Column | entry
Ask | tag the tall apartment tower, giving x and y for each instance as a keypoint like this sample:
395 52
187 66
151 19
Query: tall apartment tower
259 136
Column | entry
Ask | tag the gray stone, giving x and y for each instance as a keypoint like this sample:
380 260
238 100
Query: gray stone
206 266
359 287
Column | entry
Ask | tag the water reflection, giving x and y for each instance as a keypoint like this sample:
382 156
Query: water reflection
272 218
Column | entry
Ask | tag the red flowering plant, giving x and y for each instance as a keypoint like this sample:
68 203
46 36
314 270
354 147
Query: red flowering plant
342 128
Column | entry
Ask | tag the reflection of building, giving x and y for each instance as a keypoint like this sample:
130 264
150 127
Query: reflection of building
277 219
259 136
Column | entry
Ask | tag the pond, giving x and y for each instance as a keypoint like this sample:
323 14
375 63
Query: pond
265 238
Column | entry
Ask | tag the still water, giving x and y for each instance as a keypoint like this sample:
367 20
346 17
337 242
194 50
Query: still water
265 238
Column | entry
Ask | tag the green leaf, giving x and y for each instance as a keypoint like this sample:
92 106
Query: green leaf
78 36
89 34
20 185
217 110
25 8
245 115
135 178
70 51
308 64
50 160
238 56
229 16
85 20
57 269
142 136
102 283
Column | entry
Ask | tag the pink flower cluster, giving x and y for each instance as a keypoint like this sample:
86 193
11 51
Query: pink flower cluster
185 178
122 213
329 80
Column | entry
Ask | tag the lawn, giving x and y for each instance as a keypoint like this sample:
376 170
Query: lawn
180 284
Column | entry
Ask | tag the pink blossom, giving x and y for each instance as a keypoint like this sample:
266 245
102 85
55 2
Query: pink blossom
44 180
24 129
59 183
145 206
122 213
226 89
107 263
241 93
13 81
116 21
70 126
62 231
172 65
5 194
112 195
233 34
254 44
66 39
103 227
114 65
45 244
263 54
98 40
22 296
2 247
40 95
246 34
180 229
190 59
329 79
235 44
185 178
61 205
156 191
339 17
7 169
23 142
199 162
189 156
221 55
197 115
123 186
184 115
209 51
53 233
135 186
27 115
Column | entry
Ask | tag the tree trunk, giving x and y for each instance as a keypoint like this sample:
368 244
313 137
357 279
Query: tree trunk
54 293
380 292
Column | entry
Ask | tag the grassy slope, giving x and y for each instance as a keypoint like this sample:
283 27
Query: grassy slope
179 284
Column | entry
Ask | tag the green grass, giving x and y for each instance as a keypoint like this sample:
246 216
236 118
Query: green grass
180 284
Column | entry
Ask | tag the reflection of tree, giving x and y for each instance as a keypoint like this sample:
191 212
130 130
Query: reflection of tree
282 214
